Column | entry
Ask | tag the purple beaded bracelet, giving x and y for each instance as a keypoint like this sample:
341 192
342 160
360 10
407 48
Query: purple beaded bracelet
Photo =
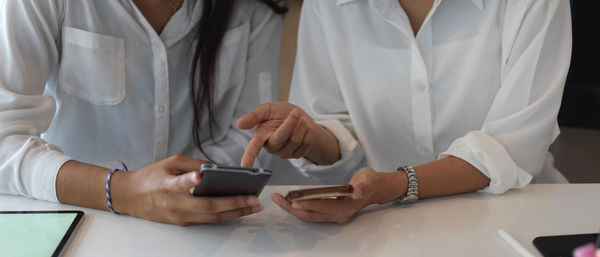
108 200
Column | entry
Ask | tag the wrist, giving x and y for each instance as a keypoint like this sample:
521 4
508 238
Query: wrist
392 185
325 149
119 192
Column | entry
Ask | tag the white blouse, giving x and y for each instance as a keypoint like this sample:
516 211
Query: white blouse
482 81
97 80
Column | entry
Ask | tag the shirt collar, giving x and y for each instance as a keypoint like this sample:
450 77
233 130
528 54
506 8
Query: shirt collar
478 3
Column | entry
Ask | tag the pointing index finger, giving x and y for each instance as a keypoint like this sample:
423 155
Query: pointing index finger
253 149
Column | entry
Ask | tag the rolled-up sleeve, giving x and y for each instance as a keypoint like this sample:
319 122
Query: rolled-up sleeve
316 90
513 142
28 50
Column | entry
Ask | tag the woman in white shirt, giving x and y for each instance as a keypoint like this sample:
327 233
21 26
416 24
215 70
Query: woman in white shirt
467 90
132 80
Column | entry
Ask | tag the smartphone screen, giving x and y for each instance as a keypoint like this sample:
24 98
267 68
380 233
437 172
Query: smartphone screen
320 193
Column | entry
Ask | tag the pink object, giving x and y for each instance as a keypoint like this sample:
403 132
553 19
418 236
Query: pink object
587 250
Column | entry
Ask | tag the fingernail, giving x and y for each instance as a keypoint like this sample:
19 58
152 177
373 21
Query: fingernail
256 209
276 200
296 113
296 205
195 178
358 194
252 201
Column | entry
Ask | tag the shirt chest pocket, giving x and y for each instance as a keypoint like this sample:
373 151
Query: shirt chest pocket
93 66
231 63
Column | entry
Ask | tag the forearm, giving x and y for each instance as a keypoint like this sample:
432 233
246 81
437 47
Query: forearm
325 149
446 176
82 184
449 176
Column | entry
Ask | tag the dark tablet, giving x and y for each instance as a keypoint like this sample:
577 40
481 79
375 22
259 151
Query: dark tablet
563 245
36 233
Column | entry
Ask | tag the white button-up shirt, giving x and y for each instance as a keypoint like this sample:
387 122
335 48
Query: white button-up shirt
101 85
482 81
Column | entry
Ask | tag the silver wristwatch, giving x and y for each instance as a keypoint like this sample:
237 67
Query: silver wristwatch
412 195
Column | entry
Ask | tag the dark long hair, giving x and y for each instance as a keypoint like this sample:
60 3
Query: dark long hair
216 15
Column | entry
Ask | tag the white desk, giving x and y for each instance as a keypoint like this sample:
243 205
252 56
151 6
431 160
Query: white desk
463 225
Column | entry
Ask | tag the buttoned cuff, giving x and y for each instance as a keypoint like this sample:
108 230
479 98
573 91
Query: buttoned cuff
337 173
491 158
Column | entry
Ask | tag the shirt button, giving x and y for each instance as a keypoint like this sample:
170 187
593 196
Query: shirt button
161 108
158 50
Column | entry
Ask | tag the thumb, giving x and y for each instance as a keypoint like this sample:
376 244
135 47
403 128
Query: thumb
360 190
251 119
179 164
362 182
185 181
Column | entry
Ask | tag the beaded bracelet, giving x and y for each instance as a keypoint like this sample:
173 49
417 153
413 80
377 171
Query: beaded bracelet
108 199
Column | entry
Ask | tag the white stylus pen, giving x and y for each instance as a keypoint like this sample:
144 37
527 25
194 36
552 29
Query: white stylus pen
512 242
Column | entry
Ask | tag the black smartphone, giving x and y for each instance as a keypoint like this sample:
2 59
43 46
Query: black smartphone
562 245
230 181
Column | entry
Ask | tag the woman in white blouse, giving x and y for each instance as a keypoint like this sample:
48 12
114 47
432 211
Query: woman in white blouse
467 91
84 84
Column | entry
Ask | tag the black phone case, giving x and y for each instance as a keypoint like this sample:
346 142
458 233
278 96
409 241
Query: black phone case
562 245
231 181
